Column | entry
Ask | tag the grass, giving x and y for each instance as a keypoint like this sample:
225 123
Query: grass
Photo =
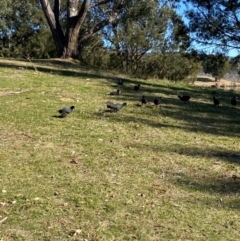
132 175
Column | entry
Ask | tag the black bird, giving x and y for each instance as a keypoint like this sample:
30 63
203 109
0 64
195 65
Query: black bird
157 101
234 101
144 100
137 87
66 110
215 101
120 82
117 92
184 98
115 107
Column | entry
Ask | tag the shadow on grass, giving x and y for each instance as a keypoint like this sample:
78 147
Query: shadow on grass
64 72
79 71
228 184
226 187
191 149
198 115
58 116
205 181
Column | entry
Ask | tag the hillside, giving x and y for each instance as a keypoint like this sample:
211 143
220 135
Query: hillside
142 173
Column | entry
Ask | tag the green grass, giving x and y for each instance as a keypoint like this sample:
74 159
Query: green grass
132 175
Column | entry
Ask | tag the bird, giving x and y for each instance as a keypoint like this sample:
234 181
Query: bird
215 101
184 98
66 110
137 87
115 107
120 82
234 101
144 100
157 101
117 92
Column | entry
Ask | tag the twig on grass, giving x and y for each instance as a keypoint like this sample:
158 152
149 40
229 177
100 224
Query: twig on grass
3 220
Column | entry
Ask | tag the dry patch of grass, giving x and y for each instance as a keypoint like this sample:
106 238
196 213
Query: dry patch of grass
210 82
12 92
138 174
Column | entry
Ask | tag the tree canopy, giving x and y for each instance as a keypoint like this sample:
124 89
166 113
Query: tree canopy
23 30
217 65
135 36
215 23
68 22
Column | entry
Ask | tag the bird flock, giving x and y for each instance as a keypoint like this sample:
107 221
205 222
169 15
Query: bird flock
115 107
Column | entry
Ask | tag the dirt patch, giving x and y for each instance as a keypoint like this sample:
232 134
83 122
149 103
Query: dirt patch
207 81
6 93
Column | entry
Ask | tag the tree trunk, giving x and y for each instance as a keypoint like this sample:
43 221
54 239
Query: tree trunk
68 45
53 21
74 23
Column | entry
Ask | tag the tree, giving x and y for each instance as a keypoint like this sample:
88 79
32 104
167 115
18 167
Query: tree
67 25
217 65
147 28
140 30
23 30
215 23
5 11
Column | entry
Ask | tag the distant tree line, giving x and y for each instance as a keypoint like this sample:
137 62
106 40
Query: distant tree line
143 38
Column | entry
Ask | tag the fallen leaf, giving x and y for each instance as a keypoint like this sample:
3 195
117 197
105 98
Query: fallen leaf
75 232
73 161
3 220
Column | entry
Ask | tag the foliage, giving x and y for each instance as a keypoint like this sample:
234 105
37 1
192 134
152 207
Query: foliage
180 32
68 25
217 65
92 52
131 32
174 67
147 29
25 32
215 23
141 29
5 13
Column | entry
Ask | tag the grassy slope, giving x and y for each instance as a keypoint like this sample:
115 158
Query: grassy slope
133 175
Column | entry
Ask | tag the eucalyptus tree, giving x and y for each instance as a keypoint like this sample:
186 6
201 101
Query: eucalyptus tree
67 21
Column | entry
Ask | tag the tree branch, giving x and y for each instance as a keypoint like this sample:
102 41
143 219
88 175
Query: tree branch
82 13
56 9
53 21
48 13
99 3
98 27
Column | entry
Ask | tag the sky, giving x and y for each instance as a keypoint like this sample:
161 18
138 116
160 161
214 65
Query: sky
233 53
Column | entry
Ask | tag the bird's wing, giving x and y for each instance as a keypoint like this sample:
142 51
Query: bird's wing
62 110
111 105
